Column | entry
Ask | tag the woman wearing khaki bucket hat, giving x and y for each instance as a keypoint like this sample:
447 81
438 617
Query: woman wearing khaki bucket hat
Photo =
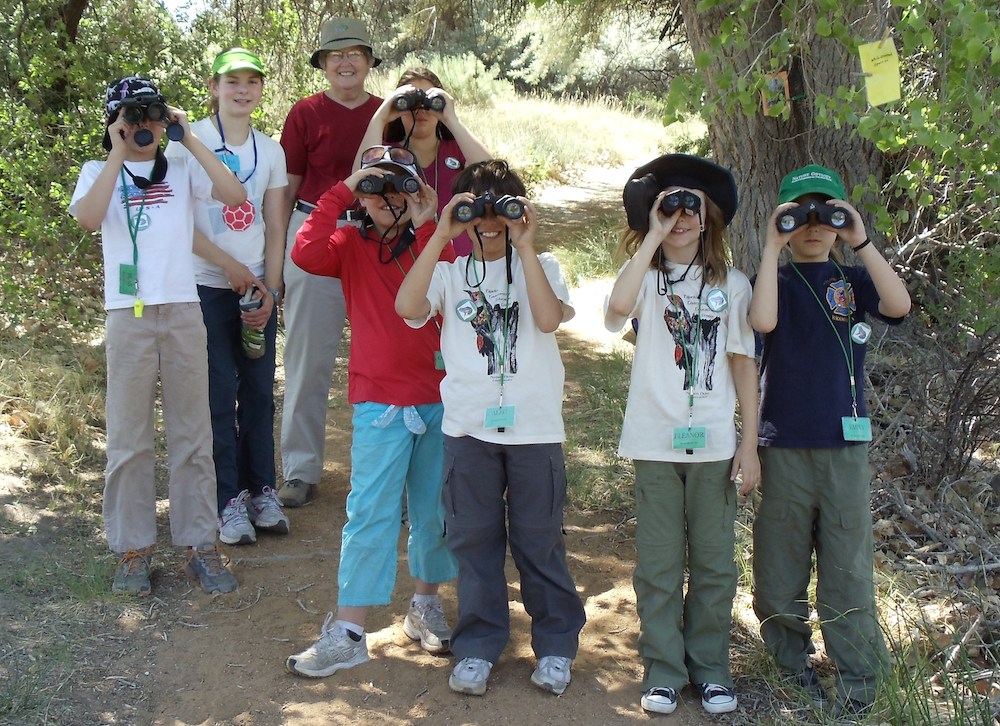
320 136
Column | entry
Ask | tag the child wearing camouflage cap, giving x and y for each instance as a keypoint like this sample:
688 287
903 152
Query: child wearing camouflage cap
143 207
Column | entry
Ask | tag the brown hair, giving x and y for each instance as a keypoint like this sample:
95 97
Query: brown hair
493 175
714 249
394 131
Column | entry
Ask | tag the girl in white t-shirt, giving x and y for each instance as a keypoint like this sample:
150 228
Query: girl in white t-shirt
241 249
694 359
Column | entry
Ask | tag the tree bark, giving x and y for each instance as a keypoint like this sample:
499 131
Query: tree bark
759 149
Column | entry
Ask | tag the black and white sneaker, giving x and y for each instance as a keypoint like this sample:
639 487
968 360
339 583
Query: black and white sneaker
659 700
716 698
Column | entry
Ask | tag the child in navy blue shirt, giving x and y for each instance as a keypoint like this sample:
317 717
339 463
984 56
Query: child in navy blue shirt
815 482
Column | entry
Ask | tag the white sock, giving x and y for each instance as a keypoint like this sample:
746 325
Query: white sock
358 630
425 599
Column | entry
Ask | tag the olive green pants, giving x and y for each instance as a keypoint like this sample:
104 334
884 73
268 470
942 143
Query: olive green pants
684 516
818 499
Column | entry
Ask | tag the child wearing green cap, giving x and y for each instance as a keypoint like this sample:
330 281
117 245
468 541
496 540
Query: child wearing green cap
814 493
241 250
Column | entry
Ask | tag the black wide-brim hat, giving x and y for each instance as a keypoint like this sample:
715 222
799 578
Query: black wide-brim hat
693 172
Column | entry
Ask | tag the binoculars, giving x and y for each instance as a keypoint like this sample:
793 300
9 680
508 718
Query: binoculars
395 182
791 219
504 206
419 99
680 199
156 112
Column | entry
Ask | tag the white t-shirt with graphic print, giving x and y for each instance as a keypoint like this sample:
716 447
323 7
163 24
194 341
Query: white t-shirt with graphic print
488 329
237 230
676 339
164 216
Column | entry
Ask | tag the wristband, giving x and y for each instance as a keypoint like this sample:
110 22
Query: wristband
862 245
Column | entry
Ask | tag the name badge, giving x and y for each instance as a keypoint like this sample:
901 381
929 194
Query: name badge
128 279
232 161
717 300
499 417
857 429
861 332
438 360
690 438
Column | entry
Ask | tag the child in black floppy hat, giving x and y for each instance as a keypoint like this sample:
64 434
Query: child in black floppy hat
694 359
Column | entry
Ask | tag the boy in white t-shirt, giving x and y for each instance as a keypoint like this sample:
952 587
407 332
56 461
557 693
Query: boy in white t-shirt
143 207
502 395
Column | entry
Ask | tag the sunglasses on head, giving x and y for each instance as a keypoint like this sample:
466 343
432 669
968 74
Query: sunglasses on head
391 153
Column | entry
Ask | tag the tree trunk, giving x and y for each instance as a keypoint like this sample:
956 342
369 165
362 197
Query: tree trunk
759 149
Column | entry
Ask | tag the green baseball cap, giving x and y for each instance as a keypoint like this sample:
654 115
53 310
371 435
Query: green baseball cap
236 59
811 179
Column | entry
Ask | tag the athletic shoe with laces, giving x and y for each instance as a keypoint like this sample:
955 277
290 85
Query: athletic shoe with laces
716 698
132 574
552 673
470 676
295 493
234 523
337 649
265 512
808 680
206 565
851 711
659 700
426 622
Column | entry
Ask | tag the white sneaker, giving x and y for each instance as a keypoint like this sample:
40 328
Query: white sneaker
265 512
552 674
659 700
470 676
335 650
716 698
427 624
234 524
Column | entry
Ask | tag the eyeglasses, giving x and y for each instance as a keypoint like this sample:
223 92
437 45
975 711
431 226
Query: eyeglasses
354 56
397 154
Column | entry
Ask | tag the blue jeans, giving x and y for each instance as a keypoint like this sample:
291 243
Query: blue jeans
240 396
385 464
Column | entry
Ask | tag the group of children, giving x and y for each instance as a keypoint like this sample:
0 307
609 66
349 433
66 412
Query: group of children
456 383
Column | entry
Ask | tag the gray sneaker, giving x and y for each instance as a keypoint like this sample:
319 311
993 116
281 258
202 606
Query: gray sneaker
234 523
337 649
552 673
132 574
295 493
205 565
470 676
427 624
265 512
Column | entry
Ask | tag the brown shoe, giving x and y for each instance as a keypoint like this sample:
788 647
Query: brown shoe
295 493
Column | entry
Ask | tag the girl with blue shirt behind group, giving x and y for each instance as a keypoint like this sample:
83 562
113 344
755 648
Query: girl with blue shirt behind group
694 358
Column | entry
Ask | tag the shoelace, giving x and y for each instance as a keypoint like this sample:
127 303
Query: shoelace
711 690
132 560
236 509
433 617
268 499
476 667
212 559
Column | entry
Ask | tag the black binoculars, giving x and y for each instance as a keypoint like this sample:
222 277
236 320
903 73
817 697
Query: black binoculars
680 199
505 206
791 219
394 182
419 99
155 111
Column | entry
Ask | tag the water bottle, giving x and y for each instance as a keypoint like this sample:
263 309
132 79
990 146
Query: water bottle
253 339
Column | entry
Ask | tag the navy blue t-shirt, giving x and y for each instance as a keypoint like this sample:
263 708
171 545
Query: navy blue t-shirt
805 384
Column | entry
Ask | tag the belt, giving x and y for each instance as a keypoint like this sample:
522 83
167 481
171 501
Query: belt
304 206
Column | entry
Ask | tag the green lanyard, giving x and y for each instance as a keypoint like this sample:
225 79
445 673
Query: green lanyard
400 266
690 362
133 229
848 353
